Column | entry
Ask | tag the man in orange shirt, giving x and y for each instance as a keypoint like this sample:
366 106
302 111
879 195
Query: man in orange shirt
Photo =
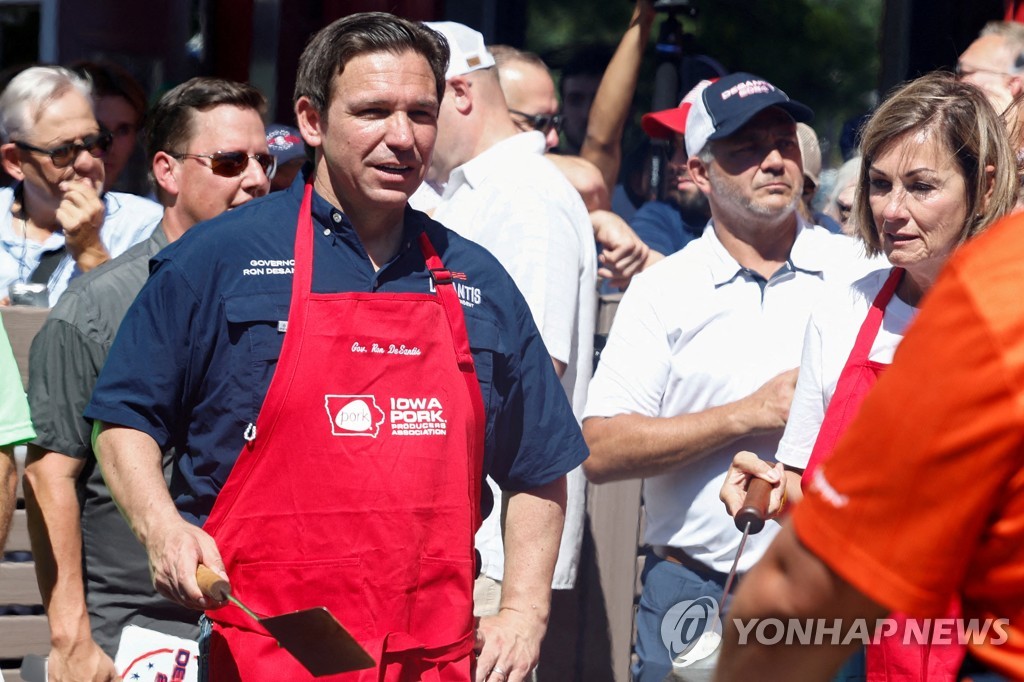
923 499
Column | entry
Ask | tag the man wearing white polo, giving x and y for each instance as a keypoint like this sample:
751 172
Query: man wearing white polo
700 362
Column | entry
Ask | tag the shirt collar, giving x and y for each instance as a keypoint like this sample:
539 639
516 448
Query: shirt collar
476 170
804 256
327 217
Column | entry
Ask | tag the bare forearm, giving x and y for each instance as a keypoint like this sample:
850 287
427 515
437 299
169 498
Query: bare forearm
8 492
54 524
791 583
635 446
794 493
92 257
533 530
131 465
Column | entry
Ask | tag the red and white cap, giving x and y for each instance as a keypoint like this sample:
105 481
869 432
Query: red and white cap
726 105
662 124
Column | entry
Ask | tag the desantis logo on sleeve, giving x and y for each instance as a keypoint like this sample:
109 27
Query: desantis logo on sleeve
354 415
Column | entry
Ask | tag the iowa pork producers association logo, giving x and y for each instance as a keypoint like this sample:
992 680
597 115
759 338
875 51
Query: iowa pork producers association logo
360 415
354 415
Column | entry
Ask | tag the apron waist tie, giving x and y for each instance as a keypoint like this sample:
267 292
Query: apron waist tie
400 643
397 645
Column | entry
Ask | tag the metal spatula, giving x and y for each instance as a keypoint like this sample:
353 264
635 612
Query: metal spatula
313 636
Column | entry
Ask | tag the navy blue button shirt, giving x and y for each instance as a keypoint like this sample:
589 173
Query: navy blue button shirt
194 356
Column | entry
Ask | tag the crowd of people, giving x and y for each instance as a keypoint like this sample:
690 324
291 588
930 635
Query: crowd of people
349 360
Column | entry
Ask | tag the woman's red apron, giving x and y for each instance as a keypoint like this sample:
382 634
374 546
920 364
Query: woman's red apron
360 491
890 660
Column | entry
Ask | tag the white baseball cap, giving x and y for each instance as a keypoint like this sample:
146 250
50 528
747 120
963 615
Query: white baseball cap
468 52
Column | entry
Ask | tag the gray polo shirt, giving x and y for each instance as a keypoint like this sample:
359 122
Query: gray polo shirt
65 359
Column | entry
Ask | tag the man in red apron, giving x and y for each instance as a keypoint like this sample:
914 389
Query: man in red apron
340 372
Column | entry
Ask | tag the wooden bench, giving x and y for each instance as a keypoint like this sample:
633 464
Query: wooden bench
20 634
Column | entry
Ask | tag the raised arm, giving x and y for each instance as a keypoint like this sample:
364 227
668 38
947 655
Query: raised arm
80 214
614 98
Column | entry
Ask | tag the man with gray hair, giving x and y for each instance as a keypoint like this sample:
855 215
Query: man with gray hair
995 62
681 388
56 222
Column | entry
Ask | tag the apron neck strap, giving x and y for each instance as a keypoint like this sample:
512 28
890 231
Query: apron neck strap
444 283
873 321
302 278
302 275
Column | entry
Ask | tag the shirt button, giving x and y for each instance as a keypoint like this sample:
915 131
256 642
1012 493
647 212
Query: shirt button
336 217
327 231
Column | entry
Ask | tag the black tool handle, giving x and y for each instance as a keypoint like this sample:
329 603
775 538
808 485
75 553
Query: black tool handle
755 506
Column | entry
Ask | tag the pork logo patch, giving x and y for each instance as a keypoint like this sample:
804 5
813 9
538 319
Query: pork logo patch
354 415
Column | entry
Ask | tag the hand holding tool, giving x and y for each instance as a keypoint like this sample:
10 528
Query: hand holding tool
313 636
697 663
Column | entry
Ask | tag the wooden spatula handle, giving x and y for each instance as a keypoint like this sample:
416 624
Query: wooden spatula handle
212 584
755 507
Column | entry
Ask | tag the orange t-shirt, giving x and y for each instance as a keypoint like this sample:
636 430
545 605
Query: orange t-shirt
923 498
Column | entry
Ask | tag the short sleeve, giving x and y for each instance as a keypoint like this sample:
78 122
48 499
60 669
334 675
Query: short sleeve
904 503
63 366
535 439
15 423
807 411
147 390
635 363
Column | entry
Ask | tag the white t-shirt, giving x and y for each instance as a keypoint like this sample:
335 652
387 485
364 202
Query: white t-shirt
835 322
698 331
521 208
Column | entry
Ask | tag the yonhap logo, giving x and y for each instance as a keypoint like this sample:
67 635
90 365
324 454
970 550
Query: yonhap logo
354 415
685 622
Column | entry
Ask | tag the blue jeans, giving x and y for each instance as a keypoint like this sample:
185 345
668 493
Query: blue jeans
666 584
205 628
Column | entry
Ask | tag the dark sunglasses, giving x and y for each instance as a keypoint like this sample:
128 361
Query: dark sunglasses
233 164
65 154
541 122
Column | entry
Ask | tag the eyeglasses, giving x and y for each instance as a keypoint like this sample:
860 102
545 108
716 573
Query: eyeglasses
64 155
542 122
233 164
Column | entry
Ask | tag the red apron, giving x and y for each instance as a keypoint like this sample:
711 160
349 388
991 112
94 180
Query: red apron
360 490
890 660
